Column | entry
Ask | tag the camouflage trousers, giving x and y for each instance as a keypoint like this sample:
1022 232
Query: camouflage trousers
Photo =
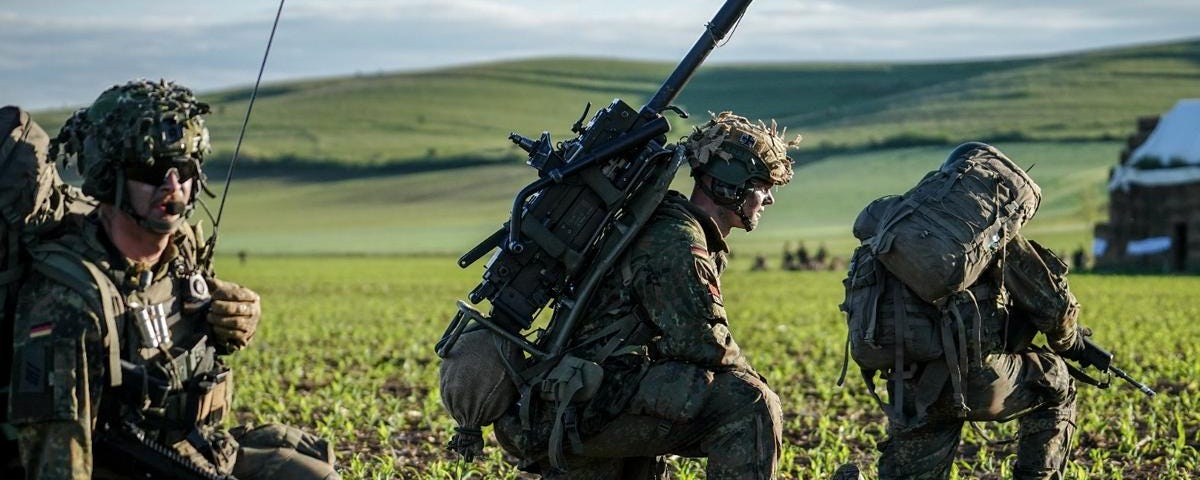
1033 387
738 428
266 452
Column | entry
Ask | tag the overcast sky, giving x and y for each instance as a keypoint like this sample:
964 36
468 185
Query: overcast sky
65 52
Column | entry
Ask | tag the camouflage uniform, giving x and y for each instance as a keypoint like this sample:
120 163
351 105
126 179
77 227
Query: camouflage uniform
679 384
103 344
674 380
61 393
1016 381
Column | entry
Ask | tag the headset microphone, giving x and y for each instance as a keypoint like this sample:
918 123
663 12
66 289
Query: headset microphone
175 207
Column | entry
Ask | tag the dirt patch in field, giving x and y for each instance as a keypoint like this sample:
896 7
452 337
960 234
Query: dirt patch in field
395 388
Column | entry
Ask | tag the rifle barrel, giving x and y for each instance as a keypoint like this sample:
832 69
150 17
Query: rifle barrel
1140 386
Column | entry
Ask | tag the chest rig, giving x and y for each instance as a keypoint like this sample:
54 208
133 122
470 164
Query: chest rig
173 379
164 379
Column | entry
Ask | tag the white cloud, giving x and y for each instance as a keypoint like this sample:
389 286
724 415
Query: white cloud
63 52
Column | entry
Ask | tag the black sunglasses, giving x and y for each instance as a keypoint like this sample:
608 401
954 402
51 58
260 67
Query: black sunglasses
155 174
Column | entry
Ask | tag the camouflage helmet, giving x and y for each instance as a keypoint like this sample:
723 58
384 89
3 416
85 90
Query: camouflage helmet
735 151
130 126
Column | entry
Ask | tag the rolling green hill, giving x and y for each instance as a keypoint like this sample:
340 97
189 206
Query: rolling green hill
448 211
463 115
418 163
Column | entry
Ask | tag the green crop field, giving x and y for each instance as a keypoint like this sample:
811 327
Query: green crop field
345 350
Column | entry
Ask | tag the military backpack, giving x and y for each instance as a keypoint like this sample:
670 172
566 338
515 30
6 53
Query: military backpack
889 327
951 225
34 201
938 270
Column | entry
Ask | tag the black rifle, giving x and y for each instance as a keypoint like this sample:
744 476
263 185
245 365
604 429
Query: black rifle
1096 356
568 227
139 456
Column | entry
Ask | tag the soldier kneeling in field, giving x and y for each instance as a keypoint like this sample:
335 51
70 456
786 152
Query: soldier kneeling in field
943 269
121 332
674 380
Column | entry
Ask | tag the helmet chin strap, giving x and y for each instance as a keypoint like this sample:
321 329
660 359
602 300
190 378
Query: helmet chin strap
747 221
737 205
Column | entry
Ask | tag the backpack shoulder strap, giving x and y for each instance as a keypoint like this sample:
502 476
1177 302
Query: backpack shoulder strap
69 268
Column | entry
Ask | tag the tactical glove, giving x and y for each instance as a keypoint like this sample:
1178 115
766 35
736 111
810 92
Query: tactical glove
233 314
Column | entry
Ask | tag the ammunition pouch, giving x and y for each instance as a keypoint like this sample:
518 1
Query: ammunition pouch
142 388
209 396
573 380
203 400
189 390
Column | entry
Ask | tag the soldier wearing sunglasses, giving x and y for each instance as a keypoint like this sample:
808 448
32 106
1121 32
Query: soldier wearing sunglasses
121 330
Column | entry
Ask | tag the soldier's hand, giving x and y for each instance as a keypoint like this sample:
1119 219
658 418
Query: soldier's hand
1077 348
233 313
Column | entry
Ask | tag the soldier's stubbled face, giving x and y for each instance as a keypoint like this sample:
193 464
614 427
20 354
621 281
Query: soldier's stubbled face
756 202
151 201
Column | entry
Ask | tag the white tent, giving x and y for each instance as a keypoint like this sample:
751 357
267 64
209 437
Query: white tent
1170 156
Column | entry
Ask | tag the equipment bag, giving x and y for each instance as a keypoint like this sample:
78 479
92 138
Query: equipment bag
478 381
948 228
890 328
33 201
874 297
877 307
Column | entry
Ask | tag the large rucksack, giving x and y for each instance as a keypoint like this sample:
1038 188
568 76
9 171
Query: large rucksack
948 228
932 301
913 289
891 329
34 200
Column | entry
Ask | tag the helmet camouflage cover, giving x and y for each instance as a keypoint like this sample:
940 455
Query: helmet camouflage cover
736 151
130 126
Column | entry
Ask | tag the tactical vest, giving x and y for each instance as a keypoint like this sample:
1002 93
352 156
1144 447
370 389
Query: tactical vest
165 374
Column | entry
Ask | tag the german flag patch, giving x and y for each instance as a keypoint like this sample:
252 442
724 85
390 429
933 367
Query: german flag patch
41 330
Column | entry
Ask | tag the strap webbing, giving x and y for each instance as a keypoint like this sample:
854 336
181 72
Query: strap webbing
845 361
563 393
68 268
13 270
870 332
109 300
901 328
954 362
869 378
1082 376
